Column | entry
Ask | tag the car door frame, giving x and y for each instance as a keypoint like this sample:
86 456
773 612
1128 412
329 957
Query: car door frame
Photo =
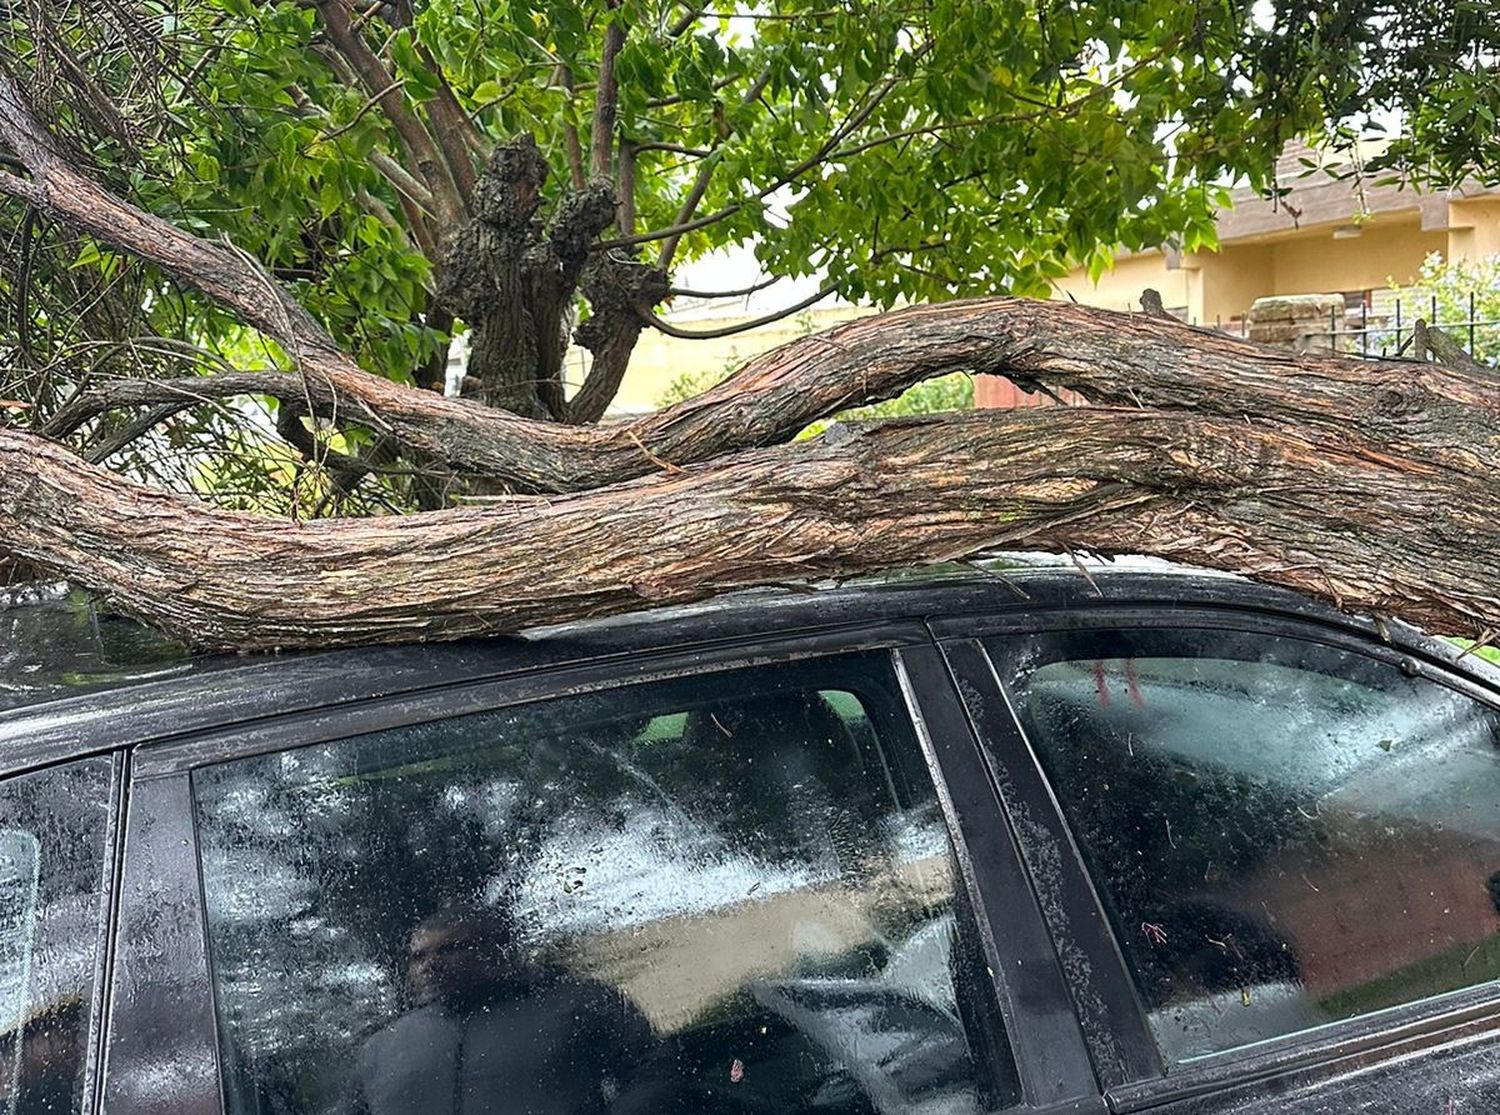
162 862
1125 1054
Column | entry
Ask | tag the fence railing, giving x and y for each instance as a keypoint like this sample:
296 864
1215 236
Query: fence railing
1389 332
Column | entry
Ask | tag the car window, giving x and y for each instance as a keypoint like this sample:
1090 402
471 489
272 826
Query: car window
732 893
1285 834
53 829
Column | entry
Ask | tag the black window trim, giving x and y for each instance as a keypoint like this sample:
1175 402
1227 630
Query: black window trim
1050 1052
340 717
1105 999
171 760
160 856
1397 1030
102 1001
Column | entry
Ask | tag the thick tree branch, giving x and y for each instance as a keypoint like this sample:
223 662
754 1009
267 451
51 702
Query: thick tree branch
457 137
1105 357
1314 515
625 189
685 21
1450 351
405 184
607 96
617 288
132 431
564 77
348 470
181 392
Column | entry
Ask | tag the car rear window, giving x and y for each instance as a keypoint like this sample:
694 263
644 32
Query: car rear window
1285 834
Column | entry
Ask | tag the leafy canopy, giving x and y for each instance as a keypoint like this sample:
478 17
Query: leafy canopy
905 150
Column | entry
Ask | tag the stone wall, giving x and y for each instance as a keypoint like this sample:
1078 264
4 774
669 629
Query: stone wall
1297 321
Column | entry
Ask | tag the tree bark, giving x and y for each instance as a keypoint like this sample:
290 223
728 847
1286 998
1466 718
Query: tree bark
1389 534
1106 358
515 280
1372 484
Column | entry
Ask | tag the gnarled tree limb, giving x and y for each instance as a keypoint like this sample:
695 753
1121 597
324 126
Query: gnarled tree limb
1372 484
1106 358
1370 530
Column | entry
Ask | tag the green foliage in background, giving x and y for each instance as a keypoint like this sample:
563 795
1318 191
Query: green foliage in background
933 396
1442 294
904 152
900 152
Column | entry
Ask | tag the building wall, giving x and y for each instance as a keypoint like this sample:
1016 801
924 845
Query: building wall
659 360
1120 288
1209 287
1231 279
1473 228
1384 252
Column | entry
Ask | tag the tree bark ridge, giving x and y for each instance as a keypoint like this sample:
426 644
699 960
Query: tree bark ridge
1365 529
1110 358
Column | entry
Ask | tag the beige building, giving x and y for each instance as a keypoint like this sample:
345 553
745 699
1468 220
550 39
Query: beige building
1326 236
659 361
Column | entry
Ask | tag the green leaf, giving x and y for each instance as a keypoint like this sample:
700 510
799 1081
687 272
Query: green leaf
329 199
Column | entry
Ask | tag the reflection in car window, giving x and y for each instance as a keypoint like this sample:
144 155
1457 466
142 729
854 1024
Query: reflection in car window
733 893
1285 834
53 829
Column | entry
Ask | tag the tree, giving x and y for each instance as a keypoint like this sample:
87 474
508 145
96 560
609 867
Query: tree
520 166
914 151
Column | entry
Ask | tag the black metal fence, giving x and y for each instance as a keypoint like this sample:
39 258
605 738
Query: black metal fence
1388 332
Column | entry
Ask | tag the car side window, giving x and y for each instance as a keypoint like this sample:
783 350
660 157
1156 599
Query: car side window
54 827
1284 834
729 893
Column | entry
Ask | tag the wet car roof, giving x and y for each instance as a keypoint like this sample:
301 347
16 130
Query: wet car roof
62 653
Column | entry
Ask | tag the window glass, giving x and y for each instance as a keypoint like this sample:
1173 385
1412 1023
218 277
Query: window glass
733 893
1284 834
53 829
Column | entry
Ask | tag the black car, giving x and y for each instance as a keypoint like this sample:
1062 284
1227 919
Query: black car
1000 838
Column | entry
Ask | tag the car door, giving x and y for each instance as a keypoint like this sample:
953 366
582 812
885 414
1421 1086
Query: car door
1272 847
739 879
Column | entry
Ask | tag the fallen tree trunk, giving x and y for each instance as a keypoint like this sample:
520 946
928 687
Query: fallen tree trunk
1370 484
1386 534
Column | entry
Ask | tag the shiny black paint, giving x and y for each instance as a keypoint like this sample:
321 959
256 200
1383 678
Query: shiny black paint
370 714
220 691
1044 1033
161 1053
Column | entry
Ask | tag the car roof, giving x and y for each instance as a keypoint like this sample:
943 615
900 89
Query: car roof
65 662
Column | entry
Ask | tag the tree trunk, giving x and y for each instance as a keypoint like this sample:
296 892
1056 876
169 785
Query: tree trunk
1343 490
514 280
1373 484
